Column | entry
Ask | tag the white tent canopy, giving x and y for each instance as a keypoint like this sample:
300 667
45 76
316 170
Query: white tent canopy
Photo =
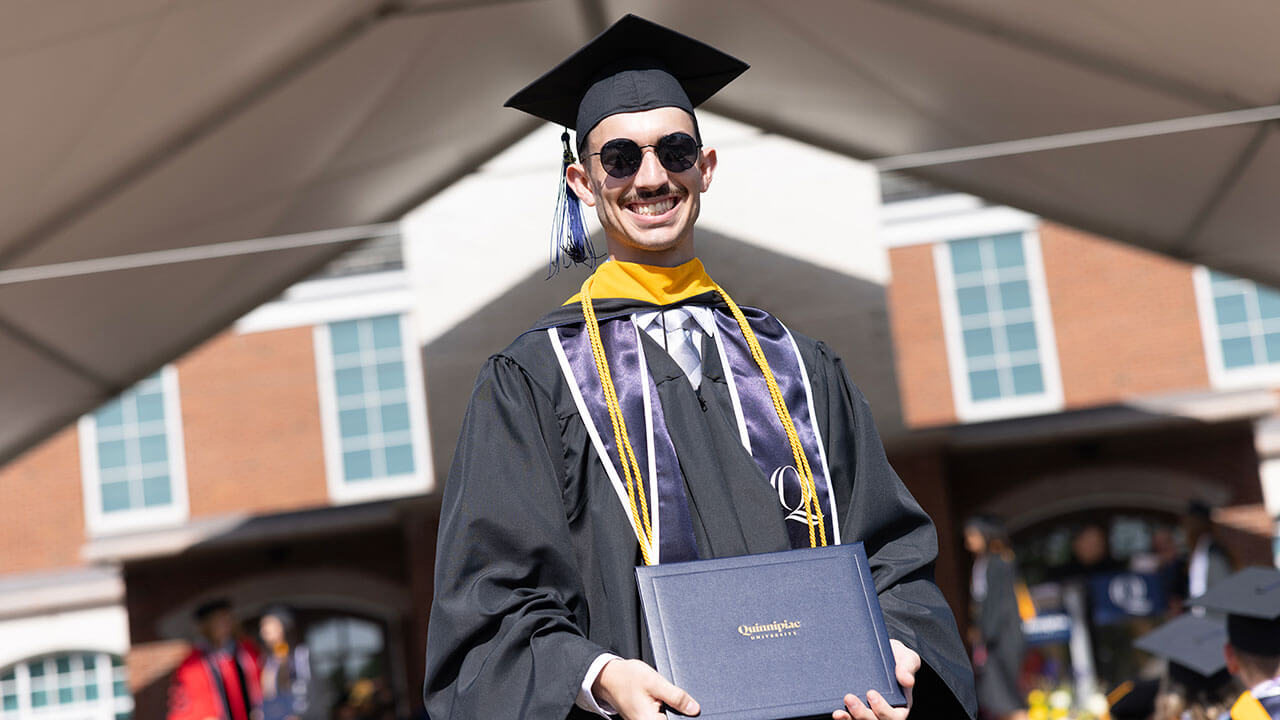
143 125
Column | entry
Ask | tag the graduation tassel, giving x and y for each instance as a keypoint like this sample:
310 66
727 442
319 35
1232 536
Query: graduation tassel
570 241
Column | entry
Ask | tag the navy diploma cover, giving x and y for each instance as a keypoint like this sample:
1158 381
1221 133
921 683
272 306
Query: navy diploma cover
776 635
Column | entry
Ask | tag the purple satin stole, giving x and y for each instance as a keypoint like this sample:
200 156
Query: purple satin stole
764 436
643 414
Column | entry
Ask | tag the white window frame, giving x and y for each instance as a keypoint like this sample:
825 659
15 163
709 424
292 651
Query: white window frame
968 410
1220 376
420 480
99 522
104 680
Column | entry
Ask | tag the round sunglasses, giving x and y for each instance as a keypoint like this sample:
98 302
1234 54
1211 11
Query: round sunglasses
621 157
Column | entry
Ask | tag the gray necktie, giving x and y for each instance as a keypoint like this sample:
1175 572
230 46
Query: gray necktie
684 343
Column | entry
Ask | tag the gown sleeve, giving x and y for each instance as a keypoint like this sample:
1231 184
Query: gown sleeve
901 545
507 633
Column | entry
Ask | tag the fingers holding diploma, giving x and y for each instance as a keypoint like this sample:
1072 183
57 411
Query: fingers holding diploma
906 665
637 692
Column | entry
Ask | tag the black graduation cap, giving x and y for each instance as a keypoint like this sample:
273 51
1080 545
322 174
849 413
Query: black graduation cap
1251 600
1193 647
634 65
1138 703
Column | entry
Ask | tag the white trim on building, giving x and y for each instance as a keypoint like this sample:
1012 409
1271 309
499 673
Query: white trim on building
947 217
100 522
379 487
326 300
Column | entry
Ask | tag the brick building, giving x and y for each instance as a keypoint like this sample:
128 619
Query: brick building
1014 366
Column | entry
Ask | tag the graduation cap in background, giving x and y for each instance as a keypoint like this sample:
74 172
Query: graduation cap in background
1193 647
1138 702
632 66
1251 600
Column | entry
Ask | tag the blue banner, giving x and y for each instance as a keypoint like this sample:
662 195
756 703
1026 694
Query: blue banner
1119 596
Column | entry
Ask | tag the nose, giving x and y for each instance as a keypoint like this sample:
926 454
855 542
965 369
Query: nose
651 173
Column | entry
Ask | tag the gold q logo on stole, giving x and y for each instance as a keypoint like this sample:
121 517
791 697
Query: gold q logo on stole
768 631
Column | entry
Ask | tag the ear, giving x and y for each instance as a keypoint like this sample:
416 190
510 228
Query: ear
1233 662
707 167
580 183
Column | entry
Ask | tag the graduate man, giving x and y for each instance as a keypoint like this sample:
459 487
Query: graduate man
1251 601
650 419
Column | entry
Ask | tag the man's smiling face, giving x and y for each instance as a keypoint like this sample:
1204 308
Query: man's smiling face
647 217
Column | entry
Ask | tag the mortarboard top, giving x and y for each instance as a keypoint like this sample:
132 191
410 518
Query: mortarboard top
634 65
1251 600
1189 643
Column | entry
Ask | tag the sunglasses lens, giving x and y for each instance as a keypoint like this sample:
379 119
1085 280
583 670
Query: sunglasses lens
677 152
620 158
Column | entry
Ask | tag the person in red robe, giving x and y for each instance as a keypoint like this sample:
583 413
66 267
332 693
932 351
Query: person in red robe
219 678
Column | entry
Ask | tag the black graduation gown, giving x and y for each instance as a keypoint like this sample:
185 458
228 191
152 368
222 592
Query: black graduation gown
535 558
1000 626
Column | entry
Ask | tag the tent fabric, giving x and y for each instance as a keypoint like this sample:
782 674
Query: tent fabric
142 125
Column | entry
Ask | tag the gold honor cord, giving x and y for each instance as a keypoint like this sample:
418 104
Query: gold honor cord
808 488
621 440
631 469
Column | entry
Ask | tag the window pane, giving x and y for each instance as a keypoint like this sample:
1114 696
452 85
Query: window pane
115 496
109 415
1272 341
39 698
391 376
984 385
90 692
345 337
979 342
1269 303
395 417
399 460
350 381
153 449
156 491
1027 380
1237 352
353 423
386 331
111 454
150 407
966 256
1008 251
10 702
1015 295
1231 309
972 300
1021 337
357 465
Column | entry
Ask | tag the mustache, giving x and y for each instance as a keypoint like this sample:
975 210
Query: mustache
643 195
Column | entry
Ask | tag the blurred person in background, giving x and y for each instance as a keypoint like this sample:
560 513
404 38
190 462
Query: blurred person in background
286 668
219 679
997 643
1207 562
1251 601
1091 647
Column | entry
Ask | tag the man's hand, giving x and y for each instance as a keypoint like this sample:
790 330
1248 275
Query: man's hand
906 663
637 692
